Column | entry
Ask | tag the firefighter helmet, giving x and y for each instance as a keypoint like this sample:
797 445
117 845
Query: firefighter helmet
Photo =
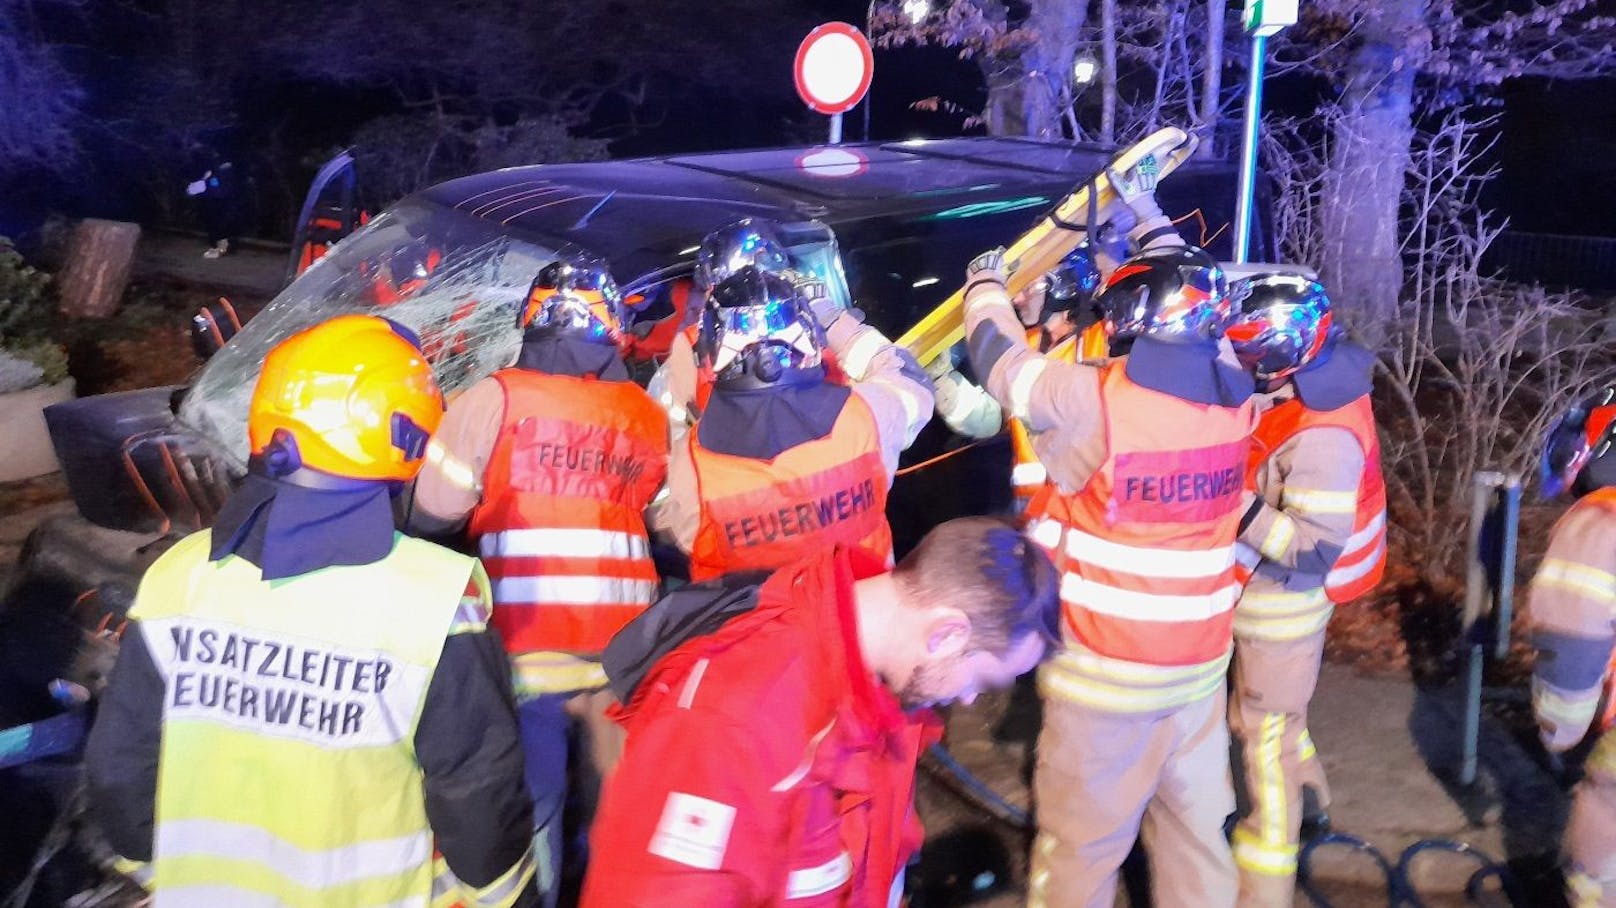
1175 293
756 331
1575 451
576 297
748 241
1284 324
1070 286
352 398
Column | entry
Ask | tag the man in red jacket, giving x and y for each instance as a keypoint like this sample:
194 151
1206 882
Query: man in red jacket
773 730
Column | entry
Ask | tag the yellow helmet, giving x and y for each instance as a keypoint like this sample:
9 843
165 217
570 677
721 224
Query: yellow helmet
352 398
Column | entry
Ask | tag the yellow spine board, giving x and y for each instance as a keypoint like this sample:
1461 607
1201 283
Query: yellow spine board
1042 247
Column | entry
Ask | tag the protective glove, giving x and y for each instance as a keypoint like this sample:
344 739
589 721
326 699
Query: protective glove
963 406
987 268
1137 187
814 292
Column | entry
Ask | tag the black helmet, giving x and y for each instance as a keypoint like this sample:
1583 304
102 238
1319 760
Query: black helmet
756 331
1174 293
749 241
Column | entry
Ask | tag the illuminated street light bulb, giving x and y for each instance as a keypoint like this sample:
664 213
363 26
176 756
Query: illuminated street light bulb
916 10
1084 70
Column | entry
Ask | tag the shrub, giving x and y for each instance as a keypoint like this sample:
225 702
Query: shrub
27 355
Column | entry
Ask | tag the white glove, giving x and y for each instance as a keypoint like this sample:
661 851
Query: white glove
814 292
987 268
1137 187
964 407
989 264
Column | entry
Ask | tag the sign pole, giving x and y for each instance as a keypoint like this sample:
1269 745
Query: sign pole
1248 150
1263 18
832 71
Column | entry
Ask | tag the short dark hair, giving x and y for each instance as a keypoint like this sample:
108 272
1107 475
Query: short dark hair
986 568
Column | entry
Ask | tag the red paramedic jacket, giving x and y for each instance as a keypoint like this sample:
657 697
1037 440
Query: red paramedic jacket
764 765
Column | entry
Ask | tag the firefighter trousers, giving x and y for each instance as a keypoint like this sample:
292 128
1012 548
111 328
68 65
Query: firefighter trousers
546 723
1104 779
1590 839
1273 682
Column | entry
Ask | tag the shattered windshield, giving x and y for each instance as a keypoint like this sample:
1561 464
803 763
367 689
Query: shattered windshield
453 279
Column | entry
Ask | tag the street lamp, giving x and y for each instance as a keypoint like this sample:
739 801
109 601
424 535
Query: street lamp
1084 70
916 11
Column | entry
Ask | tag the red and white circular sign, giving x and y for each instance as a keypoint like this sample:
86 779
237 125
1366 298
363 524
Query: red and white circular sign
833 68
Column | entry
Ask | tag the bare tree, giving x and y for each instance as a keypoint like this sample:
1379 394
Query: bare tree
1159 62
39 100
1389 57
1472 368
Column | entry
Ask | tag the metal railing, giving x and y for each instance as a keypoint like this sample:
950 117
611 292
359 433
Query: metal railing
1584 262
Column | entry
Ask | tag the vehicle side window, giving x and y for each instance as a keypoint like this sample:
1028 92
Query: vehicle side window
899 270
654 301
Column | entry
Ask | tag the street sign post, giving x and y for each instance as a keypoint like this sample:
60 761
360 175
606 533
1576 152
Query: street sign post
833 69
1263 18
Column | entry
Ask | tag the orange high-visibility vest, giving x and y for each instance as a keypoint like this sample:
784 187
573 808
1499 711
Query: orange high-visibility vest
765 514
1094 344
1363 560
560 526
1027 473
1147 548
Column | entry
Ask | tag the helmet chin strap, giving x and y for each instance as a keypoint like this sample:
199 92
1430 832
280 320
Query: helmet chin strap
280 461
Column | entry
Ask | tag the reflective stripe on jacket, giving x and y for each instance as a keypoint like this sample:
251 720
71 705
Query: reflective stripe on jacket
1362 561
761 515
561 524
1146 551
1572 609
288 773
1027 473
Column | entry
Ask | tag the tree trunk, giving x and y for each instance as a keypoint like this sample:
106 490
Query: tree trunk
1007 93
1206 125
96 268
1369 159
1057 24
1108 70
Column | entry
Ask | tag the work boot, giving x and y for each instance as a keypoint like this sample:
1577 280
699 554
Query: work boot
1315 818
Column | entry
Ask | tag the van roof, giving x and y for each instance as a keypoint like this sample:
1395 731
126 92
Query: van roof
646 213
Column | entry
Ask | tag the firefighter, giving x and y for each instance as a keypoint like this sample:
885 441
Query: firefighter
683 383
1573 625
784 460
306 698
551 464
1144 454
771 761
1313 536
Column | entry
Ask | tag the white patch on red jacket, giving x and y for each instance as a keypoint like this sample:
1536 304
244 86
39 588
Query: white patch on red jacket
693 831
